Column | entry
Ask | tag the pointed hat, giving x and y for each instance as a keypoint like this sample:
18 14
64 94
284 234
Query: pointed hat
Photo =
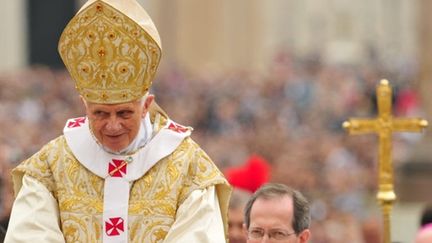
111 49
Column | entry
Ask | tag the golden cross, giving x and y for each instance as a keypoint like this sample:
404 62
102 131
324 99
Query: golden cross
384 125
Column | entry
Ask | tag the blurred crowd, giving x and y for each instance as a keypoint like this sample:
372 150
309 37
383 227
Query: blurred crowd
291 115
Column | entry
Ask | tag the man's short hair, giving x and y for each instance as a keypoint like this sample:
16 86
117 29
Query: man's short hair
301 219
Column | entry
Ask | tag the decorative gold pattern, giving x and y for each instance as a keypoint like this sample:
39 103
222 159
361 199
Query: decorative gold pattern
384 125
111 58
154 198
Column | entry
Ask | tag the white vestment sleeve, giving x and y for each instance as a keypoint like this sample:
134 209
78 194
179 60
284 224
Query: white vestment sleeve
198 219
34 216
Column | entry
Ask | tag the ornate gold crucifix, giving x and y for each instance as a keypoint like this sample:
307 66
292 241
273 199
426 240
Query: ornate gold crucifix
384 125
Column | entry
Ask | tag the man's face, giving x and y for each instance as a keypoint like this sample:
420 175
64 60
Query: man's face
274 217
235 226
116 126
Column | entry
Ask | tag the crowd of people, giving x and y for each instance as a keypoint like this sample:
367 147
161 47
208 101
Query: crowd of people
291 115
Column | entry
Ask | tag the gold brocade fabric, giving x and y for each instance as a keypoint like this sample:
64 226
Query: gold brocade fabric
111 51
154 198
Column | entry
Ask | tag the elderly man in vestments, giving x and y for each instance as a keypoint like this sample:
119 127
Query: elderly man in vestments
125 172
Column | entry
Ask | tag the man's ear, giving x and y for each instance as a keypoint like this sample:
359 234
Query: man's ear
245 230
148 102
304 236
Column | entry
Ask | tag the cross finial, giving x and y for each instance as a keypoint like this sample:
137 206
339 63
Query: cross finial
385 125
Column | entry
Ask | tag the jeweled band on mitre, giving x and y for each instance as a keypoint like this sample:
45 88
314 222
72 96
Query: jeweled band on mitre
111 50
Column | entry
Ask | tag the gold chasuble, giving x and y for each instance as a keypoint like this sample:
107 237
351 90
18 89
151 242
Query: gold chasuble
154 198
112 49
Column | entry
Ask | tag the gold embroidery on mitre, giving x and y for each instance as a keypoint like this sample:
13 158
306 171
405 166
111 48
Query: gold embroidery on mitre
111 57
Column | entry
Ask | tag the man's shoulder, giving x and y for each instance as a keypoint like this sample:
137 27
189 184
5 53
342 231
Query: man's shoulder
199 162
191 146
55 144
40 164
49 150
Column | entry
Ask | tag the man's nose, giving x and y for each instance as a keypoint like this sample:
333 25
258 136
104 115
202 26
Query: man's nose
265 239
113 123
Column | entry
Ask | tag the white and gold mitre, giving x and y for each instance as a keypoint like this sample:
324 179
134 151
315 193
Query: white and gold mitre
112 49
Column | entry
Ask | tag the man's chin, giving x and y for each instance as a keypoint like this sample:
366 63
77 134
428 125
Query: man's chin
115 146
115 149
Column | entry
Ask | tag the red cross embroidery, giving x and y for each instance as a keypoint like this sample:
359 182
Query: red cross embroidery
117 168
177 128
114 226
77 122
